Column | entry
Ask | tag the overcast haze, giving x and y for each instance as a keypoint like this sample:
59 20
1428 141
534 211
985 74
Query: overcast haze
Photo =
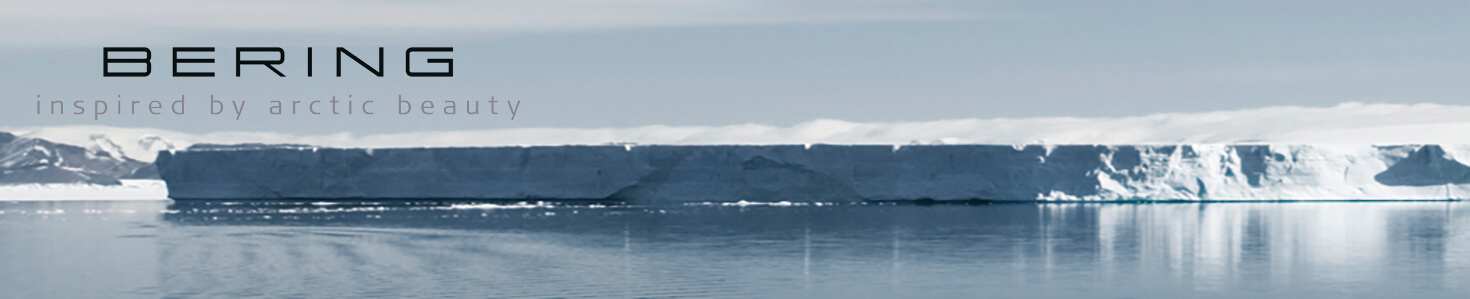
598 64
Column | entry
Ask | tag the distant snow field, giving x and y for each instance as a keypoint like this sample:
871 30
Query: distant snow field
1348 123
129 190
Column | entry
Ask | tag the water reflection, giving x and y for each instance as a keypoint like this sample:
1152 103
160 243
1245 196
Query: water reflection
512 249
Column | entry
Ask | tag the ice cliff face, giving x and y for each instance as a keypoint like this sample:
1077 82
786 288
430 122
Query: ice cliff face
826 172
36 161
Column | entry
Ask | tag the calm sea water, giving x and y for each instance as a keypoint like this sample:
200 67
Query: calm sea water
120 249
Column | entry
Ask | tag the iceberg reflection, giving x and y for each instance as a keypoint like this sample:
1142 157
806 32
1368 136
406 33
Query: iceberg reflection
514 249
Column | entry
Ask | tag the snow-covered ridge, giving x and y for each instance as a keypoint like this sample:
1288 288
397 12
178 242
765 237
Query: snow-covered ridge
1350 123
827 173
31 160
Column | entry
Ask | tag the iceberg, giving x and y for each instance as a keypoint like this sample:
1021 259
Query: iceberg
824 173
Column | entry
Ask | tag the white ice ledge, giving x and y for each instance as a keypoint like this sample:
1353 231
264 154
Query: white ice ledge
128 190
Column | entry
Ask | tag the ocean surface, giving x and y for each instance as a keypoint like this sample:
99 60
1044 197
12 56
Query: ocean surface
431 249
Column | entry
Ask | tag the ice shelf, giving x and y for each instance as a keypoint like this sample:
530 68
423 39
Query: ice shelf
806 173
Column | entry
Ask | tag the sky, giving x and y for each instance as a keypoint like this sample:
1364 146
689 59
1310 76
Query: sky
632 63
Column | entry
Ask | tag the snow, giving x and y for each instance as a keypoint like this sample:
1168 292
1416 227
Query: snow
100 143
1349 123
129 190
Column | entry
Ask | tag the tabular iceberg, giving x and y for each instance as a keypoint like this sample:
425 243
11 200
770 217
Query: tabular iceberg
805 173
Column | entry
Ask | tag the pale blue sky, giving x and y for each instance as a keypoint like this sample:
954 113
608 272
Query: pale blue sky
589 64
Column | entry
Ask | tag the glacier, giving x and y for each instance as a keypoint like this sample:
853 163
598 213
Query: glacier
824 173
